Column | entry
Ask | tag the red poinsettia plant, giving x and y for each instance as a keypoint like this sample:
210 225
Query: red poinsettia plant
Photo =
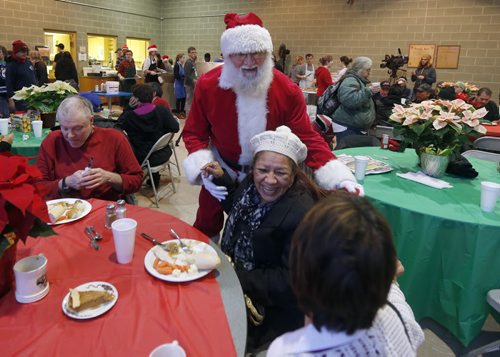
23 210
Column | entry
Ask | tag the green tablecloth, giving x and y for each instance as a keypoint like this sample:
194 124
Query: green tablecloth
29 147
449 247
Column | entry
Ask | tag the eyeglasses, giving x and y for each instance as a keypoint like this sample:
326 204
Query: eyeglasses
256 56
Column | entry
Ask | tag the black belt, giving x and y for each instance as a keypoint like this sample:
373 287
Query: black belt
236 167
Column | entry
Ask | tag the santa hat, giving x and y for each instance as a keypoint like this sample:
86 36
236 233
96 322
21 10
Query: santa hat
152 48
164 57
244 34
19 45
124 47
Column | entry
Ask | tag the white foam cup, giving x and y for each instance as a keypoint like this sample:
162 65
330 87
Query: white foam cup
124 238
31 278
105 113
490 191
37 128
360 165
4 126
168 350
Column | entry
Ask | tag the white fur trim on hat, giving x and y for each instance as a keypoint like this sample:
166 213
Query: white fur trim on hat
330 175
194 162
152 48
282 141
245 39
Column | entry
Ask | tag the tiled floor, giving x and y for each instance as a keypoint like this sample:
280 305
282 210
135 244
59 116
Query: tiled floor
184 203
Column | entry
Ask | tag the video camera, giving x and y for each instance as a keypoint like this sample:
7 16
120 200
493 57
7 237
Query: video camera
393 63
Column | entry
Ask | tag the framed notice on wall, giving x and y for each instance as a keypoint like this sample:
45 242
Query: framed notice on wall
447 57
416 52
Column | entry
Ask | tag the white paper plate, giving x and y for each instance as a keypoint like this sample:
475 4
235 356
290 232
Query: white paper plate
374 166
191 243
91 313
86 210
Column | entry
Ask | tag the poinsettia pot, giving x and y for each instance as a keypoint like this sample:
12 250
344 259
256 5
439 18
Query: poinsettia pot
434 165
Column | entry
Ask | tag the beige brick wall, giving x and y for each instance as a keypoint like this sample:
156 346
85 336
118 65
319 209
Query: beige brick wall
369 27
27 20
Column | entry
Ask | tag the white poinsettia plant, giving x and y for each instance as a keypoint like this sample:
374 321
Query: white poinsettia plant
45 99
438 127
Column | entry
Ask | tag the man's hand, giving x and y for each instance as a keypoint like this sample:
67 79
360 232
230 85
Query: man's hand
353 187
212 168
219 192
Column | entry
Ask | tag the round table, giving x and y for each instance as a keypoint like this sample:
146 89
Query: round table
448 245
27 147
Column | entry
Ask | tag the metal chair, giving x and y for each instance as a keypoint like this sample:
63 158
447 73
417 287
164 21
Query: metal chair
176 163
493 298
162 142
488 143
483 155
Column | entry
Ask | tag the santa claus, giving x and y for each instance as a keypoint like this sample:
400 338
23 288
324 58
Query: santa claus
234 102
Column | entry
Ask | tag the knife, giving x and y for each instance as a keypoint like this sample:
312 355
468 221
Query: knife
164 246
93 242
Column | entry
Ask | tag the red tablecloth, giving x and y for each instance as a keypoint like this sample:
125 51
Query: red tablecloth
492 130
148 312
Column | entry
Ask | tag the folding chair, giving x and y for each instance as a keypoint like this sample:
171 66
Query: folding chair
162 142
488 143
176 163
483 155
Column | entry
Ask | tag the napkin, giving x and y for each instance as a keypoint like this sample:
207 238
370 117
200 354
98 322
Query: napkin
422 178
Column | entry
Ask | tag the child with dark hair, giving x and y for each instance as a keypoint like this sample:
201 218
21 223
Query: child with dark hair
343 268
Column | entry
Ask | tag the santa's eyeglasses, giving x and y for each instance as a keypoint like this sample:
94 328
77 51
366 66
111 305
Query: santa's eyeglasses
256 56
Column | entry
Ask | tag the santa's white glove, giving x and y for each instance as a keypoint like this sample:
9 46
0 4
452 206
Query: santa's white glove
219 192
353 187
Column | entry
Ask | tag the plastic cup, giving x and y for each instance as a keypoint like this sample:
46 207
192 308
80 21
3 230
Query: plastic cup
489 195
31 278
168 350
4 126
360 165
37 128
105 113
124 238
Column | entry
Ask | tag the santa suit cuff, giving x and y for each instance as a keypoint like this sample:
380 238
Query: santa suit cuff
194 162
330 175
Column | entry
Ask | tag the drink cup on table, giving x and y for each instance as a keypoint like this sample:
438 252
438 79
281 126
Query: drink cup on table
124 238
360 165
490 191
37 128
168 350
4 126
31 279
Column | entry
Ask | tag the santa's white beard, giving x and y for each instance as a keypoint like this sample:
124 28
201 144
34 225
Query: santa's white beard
235 79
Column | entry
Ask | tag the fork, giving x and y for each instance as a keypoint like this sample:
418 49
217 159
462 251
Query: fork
184 247
93 241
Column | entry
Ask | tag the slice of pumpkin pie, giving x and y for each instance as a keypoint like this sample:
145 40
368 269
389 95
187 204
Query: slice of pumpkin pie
91 299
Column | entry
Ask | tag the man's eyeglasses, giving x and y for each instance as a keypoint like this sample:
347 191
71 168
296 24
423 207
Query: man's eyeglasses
256 56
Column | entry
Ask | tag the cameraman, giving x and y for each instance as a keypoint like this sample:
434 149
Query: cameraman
425 73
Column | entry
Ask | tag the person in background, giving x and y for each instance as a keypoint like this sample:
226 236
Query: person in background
446 93
384 90
147 123
4 101
356 112
179 88
126 75
306 72
66 69
263 212
460 91
483 100
344 62
150 65
407 92
60 51
422 93
277 64
157 95
384 105
190 75
161 64
323 75
167 63
40 68
299 61
20 73
343 270
425 72
119 53
6 142
207 57
85 161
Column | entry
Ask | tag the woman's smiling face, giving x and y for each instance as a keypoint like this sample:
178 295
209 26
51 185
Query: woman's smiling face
272 175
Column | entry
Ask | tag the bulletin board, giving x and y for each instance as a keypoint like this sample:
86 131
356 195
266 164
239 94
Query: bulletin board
416 52
447 57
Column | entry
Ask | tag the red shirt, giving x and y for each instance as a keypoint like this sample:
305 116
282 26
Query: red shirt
161 102
323 79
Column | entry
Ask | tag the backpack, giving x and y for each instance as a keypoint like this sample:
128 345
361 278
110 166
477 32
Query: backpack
329 101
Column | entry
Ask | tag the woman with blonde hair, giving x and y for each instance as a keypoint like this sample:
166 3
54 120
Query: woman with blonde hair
425 72
40 68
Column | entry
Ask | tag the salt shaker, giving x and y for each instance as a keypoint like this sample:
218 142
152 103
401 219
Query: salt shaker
110 215
121 209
